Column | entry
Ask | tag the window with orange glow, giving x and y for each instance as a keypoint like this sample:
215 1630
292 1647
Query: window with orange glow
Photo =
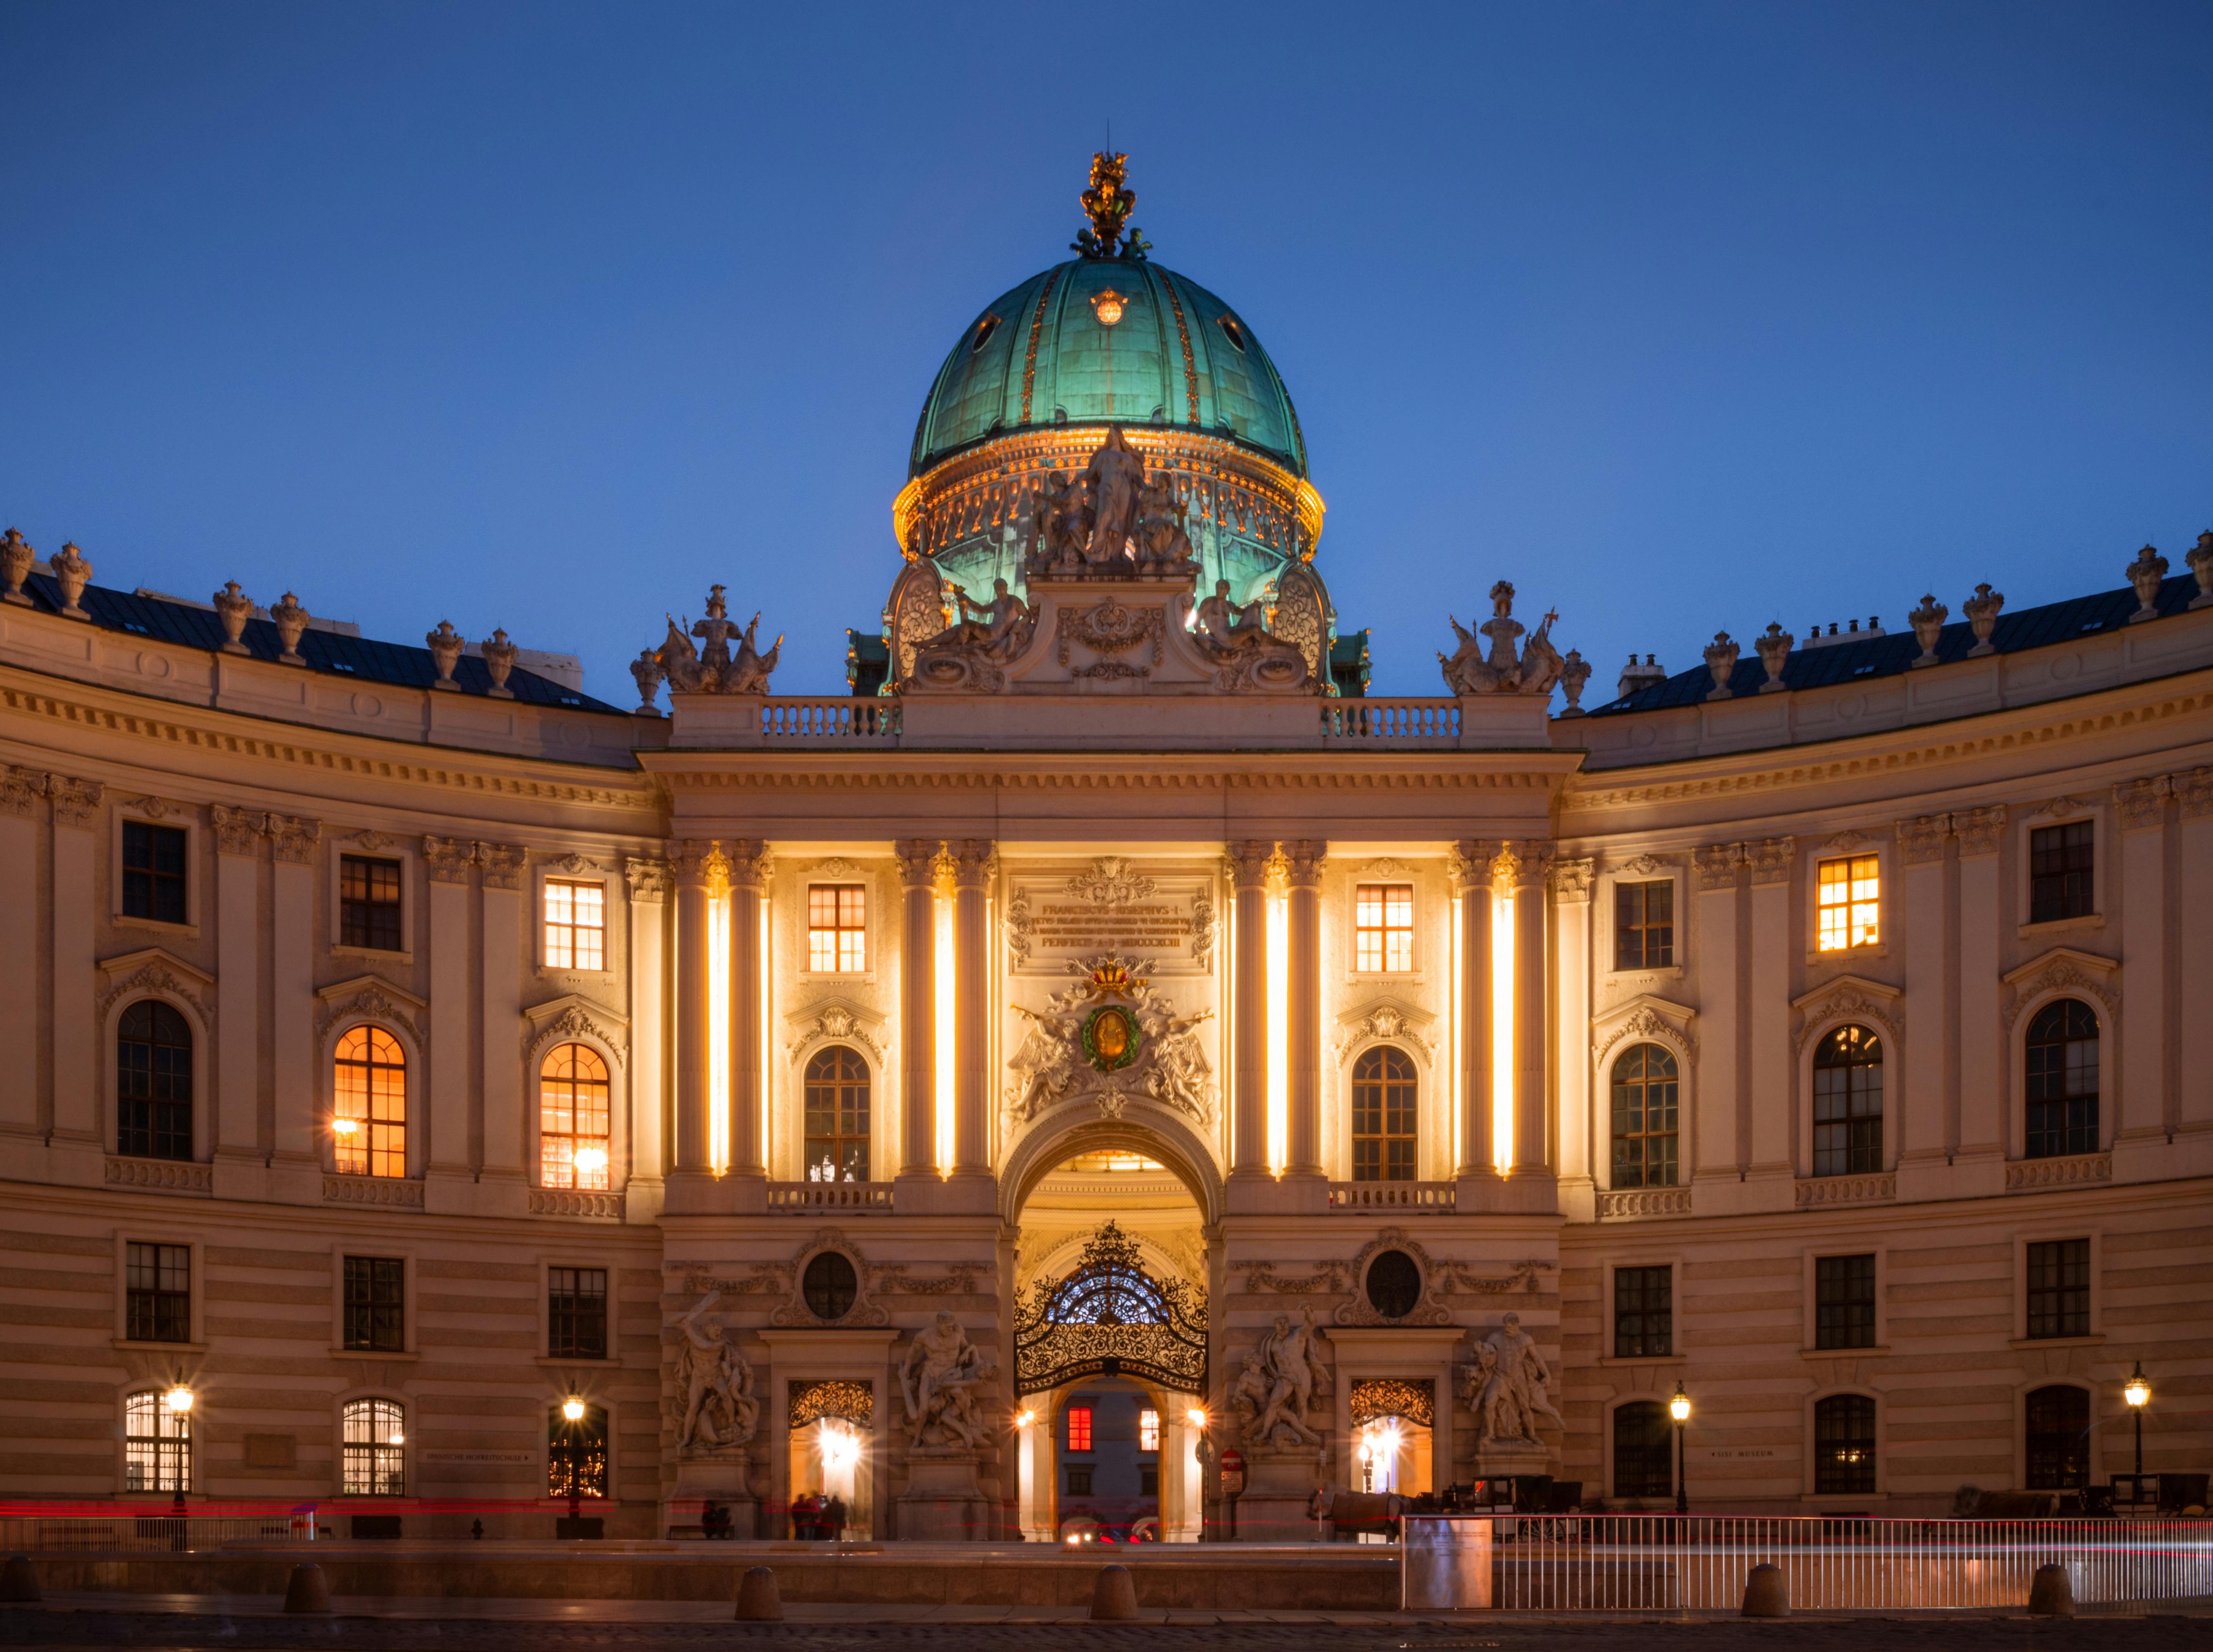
1849 894
837 927
576 925
1149 1430
370 1124
1079 1428
572 1119
1383 927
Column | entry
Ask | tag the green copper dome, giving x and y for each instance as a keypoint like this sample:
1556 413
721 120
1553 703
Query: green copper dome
1098 340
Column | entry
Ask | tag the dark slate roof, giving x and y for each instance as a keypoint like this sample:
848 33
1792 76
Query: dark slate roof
1892 654
358 659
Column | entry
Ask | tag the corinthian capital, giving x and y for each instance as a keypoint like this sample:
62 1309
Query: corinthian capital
648 880
1979 829
76 801
19 789
237 831
1303 861
973 861
692 860
918 862
1922 840
448 859
293 838
1247 862
747 862
1770 859
502 865
1717 865
1472 862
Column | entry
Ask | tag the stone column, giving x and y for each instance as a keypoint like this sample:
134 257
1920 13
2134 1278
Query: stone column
1302 1082
449 1179
650 884
1472 868
2146 1115
77 1117
1714 1145
691 864
1986 921
1532 1124
503 1185
2193 892
1570 975
918 862
1920 919
748 863
237 1065
1248 1058
19 791
1763 1103
302 1092
973 866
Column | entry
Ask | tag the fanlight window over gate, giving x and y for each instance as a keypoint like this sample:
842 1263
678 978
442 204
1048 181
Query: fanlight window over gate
1111 1318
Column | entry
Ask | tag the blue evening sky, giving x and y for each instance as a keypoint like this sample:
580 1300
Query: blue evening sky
1683 317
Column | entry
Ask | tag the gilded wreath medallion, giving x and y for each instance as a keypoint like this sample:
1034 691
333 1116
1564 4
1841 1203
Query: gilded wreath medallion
1111 1038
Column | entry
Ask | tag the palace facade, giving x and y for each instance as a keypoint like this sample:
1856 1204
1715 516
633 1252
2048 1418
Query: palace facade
1108 1039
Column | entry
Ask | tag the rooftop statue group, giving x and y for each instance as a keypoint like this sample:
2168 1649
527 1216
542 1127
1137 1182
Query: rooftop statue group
1502 668
1109 520
714 668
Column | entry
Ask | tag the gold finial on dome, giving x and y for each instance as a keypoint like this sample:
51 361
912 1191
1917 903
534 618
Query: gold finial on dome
1107 204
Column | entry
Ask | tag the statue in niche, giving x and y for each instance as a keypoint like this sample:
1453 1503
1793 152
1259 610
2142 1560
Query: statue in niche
718 1383
1505 668
1509 1386
1115 479
938 1375
1290 1363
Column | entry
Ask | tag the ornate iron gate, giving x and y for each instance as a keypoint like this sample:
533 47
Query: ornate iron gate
1111 1318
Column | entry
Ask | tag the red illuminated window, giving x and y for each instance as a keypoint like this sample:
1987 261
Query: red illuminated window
1079 1428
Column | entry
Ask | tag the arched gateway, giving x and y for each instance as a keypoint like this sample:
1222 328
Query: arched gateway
1109 1317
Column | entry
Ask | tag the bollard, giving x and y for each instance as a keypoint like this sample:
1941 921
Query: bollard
1113 1596
19 1580
2052 1592
309 1590
758 1599
1766 1593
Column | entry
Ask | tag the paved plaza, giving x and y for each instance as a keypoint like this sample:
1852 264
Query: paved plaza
253 1625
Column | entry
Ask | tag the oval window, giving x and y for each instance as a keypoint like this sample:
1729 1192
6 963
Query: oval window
829 1285
1228 324
984 329
1394 1284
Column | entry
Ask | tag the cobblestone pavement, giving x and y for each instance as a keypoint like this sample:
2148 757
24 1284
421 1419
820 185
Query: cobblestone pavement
61 1627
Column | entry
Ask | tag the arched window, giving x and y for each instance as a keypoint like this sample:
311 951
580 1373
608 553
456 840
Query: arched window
1848 1103
836 1116
1644 1087
576 1453
572 1119
1843 1446
2063 1080
1643 1464
157 1445
371 1116
2058 1429
1383 1112
372 1438
153 1082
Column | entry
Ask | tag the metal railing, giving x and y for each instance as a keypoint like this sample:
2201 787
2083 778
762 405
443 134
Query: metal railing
853 718
152 1530
1699 1563
1392 1195
849 1196
1434 722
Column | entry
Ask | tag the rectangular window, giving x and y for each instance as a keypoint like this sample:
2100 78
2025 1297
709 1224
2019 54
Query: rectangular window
157 1445
1644 924
1079 1428
1844 1447
369 903
2059 1288
1383 927
1849 891
2062 874
1149 1430
157 1303
1079 1482
576 1313
837 927
1643 1313
576 925
576 1453
154 872
1148 1480
376 1303
1844 1301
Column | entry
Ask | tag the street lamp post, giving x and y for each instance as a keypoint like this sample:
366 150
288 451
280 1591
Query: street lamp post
2137 1394
573 1410
1679 1409
178 1401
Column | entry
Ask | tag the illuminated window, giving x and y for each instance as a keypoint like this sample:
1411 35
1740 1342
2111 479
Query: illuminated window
1383 927
153 1082
836 1108
1843 1446
576 1313
1848 1103
1644 924
157 1445
576 1453
1383 1113
157 1302
1149 1430
837 927
2063 1080
2062 872
1849 892
371 1122
576 925
1079 1428
572 1119
1646 1086
373 1441
369 903
154 872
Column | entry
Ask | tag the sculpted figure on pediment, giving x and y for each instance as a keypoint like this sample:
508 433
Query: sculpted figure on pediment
715 669
1247 656
1114 478
973 651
